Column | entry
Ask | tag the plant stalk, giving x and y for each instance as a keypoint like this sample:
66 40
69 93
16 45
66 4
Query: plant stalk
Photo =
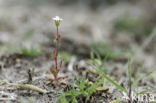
56 50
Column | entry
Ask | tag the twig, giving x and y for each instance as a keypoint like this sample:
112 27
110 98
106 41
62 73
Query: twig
7 99
34 79
28 86
29 72
6 88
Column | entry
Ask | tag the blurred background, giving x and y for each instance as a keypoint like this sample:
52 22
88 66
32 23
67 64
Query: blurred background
109 26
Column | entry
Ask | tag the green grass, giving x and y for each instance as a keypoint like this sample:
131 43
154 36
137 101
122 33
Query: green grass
103 50
131 84
79 89
33 52
82 89
116 84
9 49
136 26
65 56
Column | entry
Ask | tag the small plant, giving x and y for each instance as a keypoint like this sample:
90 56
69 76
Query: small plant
56 68
85 88
79 89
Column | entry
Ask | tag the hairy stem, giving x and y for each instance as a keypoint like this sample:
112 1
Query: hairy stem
57 47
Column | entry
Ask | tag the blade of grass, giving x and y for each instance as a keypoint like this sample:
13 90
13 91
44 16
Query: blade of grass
142 92
130 73
135 83
96 53
130 80
116 84
63 99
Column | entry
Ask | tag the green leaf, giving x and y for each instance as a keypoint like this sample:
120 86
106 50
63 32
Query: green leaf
63 99
116 84
142 92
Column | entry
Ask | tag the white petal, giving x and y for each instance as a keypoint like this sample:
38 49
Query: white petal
57 18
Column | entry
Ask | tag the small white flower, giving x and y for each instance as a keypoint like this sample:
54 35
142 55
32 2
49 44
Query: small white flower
57 20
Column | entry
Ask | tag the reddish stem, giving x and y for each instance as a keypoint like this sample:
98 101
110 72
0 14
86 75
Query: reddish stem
57 47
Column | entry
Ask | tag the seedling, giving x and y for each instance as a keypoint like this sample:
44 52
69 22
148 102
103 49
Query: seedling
54 69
